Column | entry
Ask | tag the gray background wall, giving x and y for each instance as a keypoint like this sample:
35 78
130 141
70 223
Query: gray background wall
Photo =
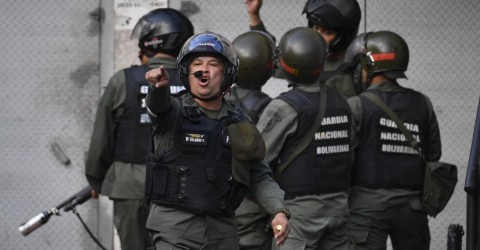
57 56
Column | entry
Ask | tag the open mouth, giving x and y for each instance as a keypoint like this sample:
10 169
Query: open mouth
203 81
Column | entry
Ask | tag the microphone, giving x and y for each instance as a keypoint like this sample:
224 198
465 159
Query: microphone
198 74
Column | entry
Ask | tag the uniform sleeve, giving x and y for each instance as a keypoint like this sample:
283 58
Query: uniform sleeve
277 122
261 27
434 147
265 189
158 101
356 107
162 110
99 157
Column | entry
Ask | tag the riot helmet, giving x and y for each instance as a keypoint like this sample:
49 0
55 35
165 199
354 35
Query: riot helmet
342 16
302 53
209 44
256 52
162 30
385 52
355 50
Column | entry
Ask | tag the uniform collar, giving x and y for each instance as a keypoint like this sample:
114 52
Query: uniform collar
154 62
387 85
227 108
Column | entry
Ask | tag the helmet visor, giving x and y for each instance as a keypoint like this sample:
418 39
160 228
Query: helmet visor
138 30
206 42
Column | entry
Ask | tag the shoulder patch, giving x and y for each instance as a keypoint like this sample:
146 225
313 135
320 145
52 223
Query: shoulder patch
273 118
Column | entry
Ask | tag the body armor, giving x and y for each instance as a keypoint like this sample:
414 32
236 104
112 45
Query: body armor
252 103
324 166
385 159
133 132
196 175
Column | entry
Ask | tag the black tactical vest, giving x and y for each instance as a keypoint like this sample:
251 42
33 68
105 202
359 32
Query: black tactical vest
133 132
176 86
196 175
324 166
384 158
253 103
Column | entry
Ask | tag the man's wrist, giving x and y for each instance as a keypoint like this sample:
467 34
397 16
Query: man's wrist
283 210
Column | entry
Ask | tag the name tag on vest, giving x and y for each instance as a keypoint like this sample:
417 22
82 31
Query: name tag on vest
195 139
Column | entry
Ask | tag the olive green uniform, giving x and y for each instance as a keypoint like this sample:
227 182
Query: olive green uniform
344 84
175 229
324 214
377 213
122 182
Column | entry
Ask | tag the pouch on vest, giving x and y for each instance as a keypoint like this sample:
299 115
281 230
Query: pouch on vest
440 181
154 174
248 148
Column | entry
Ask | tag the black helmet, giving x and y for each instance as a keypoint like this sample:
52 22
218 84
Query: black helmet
385 52
211 44
162 30
355 50
352 62
302 53
343 16
256 51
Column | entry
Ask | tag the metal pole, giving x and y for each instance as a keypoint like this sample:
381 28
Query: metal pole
471 188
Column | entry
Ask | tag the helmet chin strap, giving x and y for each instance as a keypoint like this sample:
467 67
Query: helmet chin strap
368 80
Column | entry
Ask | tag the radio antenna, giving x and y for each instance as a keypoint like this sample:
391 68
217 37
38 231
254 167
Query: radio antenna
365 16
